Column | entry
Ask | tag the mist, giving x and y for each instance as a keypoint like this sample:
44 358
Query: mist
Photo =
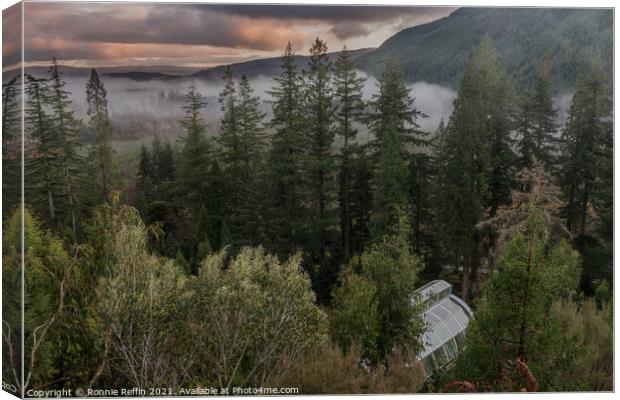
143 109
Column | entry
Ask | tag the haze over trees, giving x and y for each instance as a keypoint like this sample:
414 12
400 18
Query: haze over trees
238 258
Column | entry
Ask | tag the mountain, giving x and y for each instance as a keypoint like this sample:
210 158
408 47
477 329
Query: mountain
269 67
437 52
142 75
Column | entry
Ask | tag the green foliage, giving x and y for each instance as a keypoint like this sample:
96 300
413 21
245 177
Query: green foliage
395 129
11 146
101 129
513 320
385 289
349 109
48 269
354 316
257 314
592 327
288 146
140 302
66 133
475 158
194 158
437 52
586 145
393 270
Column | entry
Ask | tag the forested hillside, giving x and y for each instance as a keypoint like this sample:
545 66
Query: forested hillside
283 251
437 52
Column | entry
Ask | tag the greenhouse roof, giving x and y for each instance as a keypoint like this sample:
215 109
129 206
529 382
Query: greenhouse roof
446 315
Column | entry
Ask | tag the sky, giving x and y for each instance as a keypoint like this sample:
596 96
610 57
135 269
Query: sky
194 35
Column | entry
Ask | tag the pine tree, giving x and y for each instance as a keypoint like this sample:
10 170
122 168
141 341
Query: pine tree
99 123
67 131
251 127
288 146
586 144
350 106
475 158
319 160
194 158
524 121
252 210
513 318
394 126
229 138
47 148
361 199
11 145
544 116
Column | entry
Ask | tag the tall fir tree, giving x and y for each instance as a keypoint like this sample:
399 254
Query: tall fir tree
288 146
586 145
475 161
524 128
350 106
194 159
101 128
229 138
252 207
11 145
395 129
319 160
67 131
47 147
544 115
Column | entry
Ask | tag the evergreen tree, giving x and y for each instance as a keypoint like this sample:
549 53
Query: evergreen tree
11 145
194 158
350 106
586 144
361 199
67 131
513 319
288 146
99 123
47 148
229 138
544 116
394 126
475 159
250 126
525 130
319 160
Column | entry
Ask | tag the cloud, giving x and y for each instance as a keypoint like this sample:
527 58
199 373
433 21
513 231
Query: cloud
94 31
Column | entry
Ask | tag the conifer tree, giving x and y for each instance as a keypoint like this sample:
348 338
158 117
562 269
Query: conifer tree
475 159
47 144
288 146
67 131
350 106
513 319
11 148
319 161
229 138
253 212
251 126
544 116
586 144
194 158
361 199
394 126
99 123
524 121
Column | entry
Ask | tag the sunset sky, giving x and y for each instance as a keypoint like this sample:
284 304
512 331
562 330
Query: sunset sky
194 35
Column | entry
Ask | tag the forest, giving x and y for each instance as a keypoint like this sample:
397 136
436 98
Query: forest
286 252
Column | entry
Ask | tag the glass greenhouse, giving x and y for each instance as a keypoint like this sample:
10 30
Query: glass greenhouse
447 318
